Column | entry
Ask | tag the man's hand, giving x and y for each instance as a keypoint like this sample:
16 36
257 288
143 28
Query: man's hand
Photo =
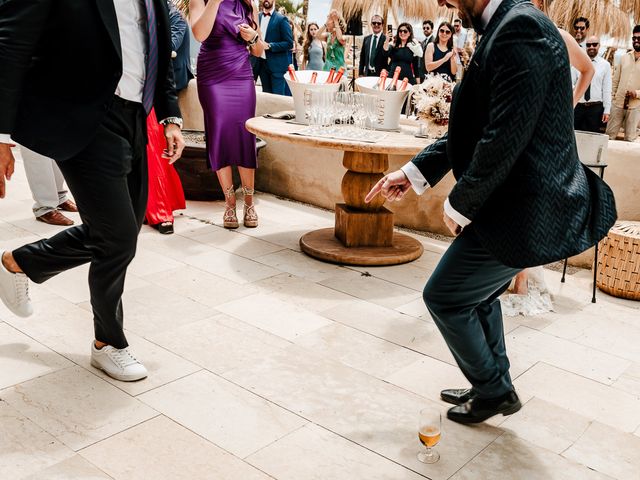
7 163
451 224
605 118
392 187
632 94
175 142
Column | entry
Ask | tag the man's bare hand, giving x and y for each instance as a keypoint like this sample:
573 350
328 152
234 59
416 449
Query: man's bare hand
605 118
392 187
175 142
453 227
7 164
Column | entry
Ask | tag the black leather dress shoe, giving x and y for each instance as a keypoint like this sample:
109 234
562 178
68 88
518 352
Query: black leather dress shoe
478 410
457 396
165 228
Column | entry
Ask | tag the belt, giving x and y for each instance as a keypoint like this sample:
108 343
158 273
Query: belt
589 104
127 103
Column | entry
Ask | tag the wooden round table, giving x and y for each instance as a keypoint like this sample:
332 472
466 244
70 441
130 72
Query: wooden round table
363 233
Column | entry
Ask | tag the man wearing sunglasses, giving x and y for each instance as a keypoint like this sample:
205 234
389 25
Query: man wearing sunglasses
625 111
372 58
594 107
521 198
581 30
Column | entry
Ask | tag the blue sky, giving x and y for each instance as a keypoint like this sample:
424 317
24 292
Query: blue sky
318 10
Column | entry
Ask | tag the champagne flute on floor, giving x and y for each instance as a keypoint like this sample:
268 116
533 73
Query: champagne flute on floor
429 433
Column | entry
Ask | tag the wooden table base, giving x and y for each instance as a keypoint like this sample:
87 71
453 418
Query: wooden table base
323 245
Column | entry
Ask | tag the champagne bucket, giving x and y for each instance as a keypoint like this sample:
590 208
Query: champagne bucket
298 88
390 102
592 147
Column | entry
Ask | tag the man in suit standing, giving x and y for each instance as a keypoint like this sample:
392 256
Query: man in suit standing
427 29
91 118
522 198
372 58
180 47
273 63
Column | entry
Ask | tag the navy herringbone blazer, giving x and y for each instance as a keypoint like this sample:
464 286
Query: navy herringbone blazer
511 146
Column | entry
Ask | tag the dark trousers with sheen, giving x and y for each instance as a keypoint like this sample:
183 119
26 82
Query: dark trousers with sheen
462 297
108 180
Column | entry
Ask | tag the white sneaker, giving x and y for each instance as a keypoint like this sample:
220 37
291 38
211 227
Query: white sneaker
117 363
14 291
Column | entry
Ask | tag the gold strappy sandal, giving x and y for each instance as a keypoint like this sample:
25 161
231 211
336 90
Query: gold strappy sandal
250 216
230 219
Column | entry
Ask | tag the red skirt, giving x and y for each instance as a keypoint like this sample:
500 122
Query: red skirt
165 188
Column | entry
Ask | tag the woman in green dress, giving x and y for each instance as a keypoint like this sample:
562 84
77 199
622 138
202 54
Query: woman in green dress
333 33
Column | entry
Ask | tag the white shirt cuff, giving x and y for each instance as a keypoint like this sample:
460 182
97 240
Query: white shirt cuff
455 215
418 182
6 138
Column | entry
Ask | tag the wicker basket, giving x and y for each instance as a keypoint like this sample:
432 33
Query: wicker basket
619 261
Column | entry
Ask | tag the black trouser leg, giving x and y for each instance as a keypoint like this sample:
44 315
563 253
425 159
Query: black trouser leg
462 297
588 118
108 180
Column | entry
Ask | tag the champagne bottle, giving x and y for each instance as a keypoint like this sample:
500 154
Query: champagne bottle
381 81
314 77
338 76
403 85
393 86
292 73
332 72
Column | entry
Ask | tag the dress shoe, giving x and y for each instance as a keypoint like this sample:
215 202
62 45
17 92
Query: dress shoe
14 291
118 363
54 217
457 396
68 206
478 410
165 228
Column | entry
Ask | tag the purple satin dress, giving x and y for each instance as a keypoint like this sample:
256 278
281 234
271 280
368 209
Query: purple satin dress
226 89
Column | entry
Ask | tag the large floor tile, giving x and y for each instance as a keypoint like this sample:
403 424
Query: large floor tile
531 346
547 425
219 343
510 457
232 267
24 447
200 286
365 410
300 265
163 450
76 407
410 275
238 243
74 468
225 414
147 262
607 450
359 350
583 396
303 293
410 332
371 289
275 316
629 381
313 453
22 358
175 247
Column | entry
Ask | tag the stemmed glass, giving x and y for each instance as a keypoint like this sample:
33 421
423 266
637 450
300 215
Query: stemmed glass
371 111
359 114
429 433
343 108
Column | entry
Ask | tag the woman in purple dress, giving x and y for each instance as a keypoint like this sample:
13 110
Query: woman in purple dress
228 32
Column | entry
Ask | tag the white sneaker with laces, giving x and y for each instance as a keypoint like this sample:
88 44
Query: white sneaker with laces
118 363
14 291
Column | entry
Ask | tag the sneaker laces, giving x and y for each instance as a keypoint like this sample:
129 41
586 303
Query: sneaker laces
22 288
123 357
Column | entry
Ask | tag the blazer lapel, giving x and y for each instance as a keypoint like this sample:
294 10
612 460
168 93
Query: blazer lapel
272 20
108 13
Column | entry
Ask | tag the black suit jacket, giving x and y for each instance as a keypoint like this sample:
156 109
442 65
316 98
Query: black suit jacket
511 146
181 44
61 63
380 61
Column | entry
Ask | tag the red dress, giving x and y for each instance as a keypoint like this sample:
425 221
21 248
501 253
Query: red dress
165 188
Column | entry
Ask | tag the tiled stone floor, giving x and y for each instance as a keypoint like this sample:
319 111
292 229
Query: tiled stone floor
267 364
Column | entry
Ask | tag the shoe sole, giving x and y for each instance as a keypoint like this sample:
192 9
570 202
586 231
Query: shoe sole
451 401
251 224
122 378
14 311
230 225
466 420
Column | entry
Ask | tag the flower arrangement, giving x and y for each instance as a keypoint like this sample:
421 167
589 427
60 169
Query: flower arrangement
432 99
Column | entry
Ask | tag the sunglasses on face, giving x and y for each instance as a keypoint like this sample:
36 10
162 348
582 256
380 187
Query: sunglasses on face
580 29
403 31
635 39
376 23
592 44
446 32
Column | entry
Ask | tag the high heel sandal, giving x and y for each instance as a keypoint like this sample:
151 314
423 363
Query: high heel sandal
230 219
250 216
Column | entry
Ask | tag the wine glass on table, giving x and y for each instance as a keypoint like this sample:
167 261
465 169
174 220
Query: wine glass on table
429 434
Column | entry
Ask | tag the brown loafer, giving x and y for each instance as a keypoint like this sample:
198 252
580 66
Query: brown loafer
68 206
55 218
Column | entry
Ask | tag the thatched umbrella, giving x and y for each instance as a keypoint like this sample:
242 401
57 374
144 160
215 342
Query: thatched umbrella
410 9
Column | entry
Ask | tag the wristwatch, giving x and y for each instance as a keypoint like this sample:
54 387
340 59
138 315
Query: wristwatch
172 120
